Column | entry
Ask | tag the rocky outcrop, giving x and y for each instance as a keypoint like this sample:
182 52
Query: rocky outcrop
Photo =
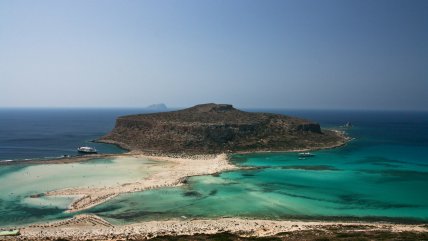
214 128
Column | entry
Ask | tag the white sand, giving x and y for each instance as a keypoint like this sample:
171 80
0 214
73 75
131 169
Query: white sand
172 174
84 227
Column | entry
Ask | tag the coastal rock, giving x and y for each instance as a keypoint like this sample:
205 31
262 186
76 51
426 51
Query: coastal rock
215 128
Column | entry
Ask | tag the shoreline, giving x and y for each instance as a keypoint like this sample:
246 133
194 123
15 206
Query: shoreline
181 167
173 174
89 226
345 140
80 158
85 227
61 160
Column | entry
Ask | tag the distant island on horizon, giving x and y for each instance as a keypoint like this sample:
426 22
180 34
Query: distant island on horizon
157 107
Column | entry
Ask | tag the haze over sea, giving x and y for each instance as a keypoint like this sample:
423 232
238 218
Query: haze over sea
382 174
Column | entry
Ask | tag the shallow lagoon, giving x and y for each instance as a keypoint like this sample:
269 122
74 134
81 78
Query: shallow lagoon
19 182
290 188
382 175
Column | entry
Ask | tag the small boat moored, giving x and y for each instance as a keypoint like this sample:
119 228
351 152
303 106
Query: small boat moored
87 150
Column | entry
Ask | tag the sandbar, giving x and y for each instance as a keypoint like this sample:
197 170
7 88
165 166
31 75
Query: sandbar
173 174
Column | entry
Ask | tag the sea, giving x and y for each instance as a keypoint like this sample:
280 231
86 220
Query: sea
381 175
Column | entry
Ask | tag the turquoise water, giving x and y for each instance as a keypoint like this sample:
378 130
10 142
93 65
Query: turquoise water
381 175
331 185
20 182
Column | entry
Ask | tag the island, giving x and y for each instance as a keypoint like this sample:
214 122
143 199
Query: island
219 128
156 107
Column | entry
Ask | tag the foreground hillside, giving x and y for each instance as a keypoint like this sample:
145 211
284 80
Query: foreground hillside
214 128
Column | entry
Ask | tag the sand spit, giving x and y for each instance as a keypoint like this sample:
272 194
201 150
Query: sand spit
90 227
59 160
173 174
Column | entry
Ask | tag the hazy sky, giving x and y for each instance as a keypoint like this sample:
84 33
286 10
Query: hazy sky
361 54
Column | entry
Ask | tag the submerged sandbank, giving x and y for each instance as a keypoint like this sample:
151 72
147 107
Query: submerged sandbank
173 173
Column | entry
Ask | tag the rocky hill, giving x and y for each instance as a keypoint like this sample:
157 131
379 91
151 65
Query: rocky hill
214 128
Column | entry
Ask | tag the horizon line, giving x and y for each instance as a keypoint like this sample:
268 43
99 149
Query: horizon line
238 107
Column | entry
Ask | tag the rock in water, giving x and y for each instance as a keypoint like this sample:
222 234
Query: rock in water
215 128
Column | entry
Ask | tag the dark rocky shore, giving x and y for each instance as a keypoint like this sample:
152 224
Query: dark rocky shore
216 128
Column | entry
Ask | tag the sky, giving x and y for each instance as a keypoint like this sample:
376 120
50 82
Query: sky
330 54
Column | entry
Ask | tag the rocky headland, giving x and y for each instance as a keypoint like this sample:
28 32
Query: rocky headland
219 128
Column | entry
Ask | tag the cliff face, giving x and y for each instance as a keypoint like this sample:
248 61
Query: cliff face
212 128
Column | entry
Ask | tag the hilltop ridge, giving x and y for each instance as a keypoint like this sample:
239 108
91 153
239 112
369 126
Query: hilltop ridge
215 128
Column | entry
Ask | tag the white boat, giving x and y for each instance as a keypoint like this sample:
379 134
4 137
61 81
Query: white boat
87 150
306 154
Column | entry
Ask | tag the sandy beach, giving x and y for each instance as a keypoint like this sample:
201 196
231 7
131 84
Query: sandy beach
173 173
91 227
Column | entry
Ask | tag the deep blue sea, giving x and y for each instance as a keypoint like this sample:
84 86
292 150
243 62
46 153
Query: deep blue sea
382 174
50 133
